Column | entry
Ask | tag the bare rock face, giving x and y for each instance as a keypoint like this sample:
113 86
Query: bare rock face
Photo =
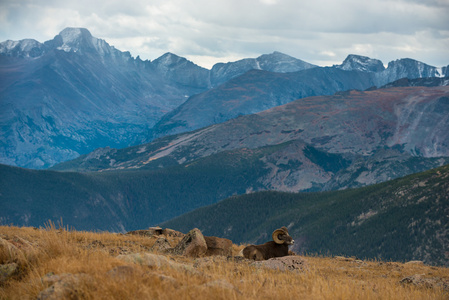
423 282
218 246
286 263
192 245
161 245
64 286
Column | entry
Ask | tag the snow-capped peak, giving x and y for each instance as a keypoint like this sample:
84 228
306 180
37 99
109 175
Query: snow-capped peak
72 35
81 40
361 63
22 48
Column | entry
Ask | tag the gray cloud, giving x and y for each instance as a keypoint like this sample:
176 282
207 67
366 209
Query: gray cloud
323 32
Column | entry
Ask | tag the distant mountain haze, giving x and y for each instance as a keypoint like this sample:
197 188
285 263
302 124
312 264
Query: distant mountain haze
76 93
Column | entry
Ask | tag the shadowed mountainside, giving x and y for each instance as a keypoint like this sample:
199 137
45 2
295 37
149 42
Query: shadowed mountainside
327 142
403 219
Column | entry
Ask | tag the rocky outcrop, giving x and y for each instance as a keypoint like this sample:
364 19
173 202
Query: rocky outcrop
286 263
421 281
161 245
192 245
8 271
156 231
64 286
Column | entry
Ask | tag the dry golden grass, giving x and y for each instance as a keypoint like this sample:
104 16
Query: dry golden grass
99 274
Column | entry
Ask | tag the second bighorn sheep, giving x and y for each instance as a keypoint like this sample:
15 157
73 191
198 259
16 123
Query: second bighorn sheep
278 247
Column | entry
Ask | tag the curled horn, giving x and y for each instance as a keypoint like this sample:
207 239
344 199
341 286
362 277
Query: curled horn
276 234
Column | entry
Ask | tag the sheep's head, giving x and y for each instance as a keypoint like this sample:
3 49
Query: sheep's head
281 236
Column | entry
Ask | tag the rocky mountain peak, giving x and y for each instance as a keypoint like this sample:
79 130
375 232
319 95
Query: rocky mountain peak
361 63
22 48
410 68
180 70
72 35
281 63
81 40
73 40
169 60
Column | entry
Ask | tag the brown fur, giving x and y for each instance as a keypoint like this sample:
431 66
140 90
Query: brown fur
269 249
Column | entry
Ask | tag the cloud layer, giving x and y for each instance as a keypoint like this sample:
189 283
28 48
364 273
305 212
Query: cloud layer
322 32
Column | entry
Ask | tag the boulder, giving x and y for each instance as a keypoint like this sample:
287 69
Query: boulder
423 282
286 263
218 246
7 271
64 286
192 245
155 261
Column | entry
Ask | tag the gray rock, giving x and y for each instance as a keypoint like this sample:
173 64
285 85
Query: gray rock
422 282
7 271
161 245
192 245
64 286
156 262
286 263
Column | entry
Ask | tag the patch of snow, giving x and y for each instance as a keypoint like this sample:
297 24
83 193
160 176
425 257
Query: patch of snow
66 48
70 35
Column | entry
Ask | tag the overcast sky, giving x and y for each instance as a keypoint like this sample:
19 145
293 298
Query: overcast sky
321 32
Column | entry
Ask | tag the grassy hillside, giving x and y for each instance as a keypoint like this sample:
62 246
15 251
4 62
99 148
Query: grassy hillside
403 219
53 263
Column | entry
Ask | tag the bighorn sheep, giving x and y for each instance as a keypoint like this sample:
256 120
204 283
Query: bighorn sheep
278 247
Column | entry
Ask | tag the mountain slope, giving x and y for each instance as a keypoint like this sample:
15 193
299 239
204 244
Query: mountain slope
274 62
122 201
372 133
76 93
404 219
256 90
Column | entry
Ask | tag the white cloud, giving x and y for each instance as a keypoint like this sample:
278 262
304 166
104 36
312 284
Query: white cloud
207 31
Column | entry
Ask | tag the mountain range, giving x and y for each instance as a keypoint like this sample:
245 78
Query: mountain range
76 93
345 140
